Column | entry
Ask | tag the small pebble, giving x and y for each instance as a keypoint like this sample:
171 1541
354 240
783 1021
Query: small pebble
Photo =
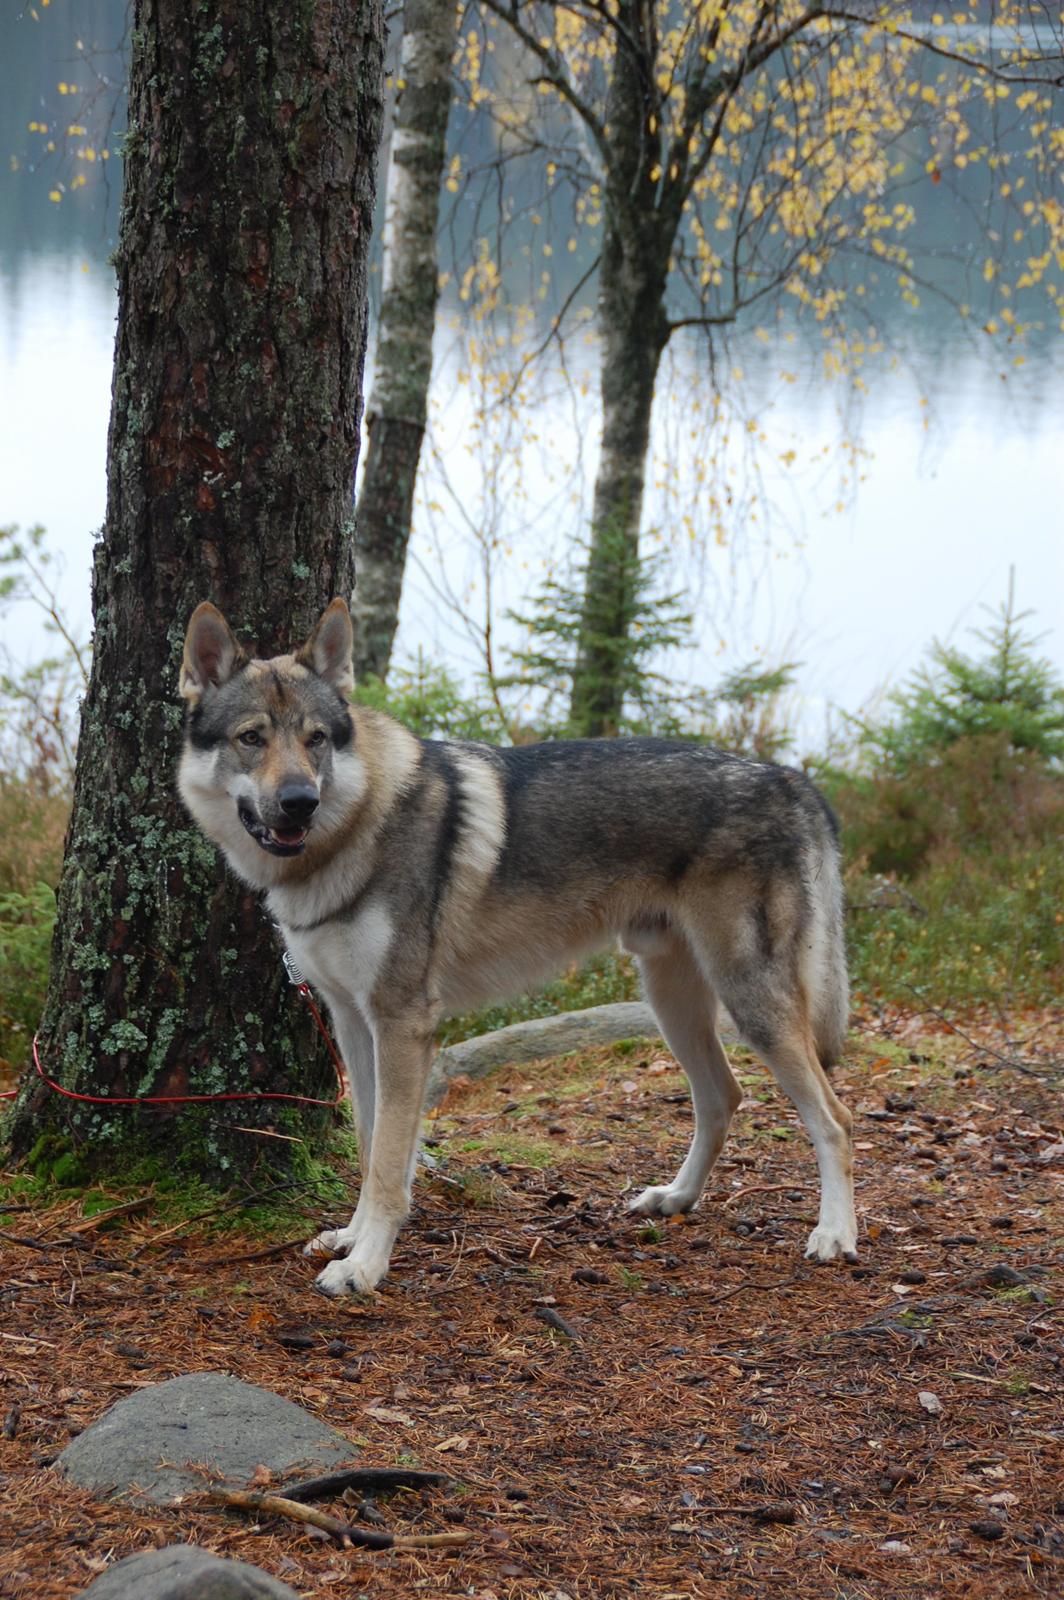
991 1528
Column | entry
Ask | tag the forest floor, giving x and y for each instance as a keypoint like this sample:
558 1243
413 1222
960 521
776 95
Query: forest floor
723 1419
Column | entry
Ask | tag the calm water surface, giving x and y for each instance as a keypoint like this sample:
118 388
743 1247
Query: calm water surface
942 514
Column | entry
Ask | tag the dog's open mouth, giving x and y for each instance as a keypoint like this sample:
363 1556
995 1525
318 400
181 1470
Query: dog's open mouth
278 841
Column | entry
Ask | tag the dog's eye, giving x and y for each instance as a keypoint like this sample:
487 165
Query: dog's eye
317 737
249 737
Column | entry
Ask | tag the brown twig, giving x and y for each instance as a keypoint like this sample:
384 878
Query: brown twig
773 1511
759 1188
984 1049
129 1209
741 1288
276 1249
24 1240
274 1505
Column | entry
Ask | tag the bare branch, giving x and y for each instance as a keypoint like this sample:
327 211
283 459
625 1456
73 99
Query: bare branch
553 334
974 63
555 74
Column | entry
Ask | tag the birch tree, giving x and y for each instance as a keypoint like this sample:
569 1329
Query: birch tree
398 405
734 154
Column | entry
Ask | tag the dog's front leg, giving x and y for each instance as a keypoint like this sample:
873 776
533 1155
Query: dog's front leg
355 1039
403 1056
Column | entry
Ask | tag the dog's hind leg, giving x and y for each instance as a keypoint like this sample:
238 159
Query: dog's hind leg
686 1007
404 1051
782 1036
751 941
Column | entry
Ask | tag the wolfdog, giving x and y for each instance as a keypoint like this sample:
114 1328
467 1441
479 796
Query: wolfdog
415 877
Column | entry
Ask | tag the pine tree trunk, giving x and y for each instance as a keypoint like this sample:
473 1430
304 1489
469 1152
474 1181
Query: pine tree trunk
399 400
249 177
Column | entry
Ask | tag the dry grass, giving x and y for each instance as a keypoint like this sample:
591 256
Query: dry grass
714 1374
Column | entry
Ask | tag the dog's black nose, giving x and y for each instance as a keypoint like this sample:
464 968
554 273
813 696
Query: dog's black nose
298 801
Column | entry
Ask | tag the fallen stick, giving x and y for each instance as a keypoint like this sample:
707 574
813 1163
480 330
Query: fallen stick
741 1288
274 1505
26 1242
267 1250
129 1209
760 1188
368 1478
983 1049
774 1511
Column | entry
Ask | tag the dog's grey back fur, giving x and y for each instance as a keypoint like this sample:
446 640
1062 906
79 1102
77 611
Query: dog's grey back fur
599 813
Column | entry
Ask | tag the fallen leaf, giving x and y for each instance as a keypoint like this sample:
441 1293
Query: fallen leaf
930 1402
896 1547
457 1441
385 1414
261 1477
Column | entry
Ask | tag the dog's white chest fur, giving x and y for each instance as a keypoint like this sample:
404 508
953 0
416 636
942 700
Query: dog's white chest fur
344 960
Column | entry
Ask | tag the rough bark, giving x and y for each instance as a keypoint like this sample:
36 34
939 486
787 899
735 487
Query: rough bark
399 400
635 330
249 176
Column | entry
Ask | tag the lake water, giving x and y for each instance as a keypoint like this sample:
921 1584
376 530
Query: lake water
954 492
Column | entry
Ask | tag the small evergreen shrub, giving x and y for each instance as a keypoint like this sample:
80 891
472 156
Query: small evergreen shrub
953 810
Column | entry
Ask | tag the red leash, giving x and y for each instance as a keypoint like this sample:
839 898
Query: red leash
199 1099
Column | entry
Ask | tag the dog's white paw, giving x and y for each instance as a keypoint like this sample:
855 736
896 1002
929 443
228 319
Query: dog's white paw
662 1200
358 1273
331 1242
831 1239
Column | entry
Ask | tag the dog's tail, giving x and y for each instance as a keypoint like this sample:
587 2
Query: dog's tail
827 981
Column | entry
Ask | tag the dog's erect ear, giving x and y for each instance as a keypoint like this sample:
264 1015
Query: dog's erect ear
328 650
212 653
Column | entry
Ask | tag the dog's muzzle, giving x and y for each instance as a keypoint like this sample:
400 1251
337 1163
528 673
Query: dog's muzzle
285 841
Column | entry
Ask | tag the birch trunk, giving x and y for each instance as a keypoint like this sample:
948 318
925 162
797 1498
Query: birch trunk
248 201
398 404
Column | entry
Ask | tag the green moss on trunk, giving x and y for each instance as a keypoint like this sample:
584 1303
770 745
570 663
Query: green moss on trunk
249 174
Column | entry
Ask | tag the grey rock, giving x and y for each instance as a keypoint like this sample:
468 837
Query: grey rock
541 1037
185 1572
140 1449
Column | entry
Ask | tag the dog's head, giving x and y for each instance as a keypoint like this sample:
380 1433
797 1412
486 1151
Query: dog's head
268 768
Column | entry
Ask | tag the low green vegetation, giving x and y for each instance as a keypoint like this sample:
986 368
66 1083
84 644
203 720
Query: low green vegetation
952 808
951 804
